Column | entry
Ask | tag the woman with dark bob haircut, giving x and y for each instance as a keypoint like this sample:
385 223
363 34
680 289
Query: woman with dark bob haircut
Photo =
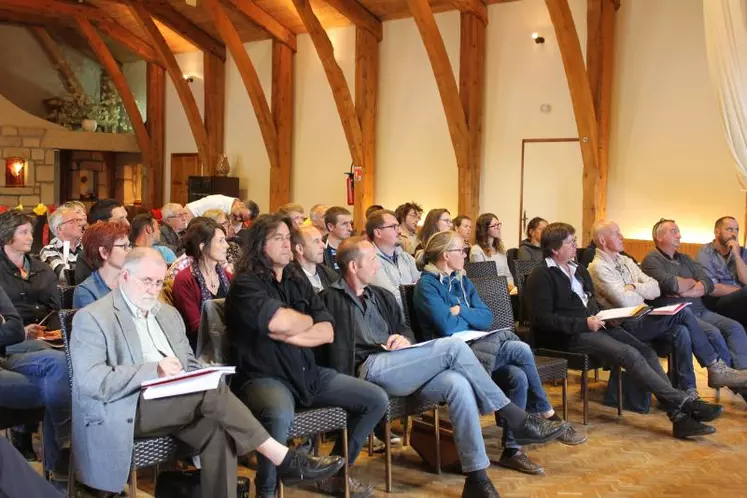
105 246
205 279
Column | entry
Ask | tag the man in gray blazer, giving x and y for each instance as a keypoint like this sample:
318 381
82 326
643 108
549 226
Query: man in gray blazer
128 337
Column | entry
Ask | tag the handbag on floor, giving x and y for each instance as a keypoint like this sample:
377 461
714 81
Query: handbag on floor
423 441
186 484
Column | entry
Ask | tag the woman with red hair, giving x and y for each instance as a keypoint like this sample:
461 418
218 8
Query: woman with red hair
105 246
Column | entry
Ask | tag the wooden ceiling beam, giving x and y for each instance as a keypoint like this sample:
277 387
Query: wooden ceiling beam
336 78
175 73
445 80
186 28
476 7
120 82
58 60
26 18
110 27
360 16
583 109
265 21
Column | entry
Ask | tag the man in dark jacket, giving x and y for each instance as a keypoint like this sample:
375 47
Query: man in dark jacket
372 341
560 294
308 254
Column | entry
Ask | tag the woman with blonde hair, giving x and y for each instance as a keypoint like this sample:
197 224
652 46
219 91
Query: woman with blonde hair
488 245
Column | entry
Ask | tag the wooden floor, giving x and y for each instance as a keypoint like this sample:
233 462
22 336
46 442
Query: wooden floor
625 457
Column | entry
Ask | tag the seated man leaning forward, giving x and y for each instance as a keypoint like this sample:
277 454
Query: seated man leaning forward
372 340
562 307
446 302
126 338
274 319
620 283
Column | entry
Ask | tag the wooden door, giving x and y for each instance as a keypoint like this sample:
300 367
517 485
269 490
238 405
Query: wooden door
182 167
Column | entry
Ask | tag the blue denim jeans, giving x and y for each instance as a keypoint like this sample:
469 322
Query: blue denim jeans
274 406
445 370
722 331
516 373
33 380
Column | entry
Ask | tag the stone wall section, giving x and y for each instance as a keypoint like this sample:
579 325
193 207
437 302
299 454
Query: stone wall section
40 172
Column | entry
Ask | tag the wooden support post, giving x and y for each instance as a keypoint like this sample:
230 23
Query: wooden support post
58 60
175 73
599 65
156 97
282 113
472 92
366 83
115 73
215 106
583 108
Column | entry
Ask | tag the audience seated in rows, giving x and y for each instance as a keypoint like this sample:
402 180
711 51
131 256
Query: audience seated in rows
294 212
339 223
408 215
316 218
105 210
437 220
126 338
446 302
397 267
274 319
681 279
620 283
529 248
105 246
725 263
146 232
173 224
488 245
308 254
66 224
371 340
204 279
562 305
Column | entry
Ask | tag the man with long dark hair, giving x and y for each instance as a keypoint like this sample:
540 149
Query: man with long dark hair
274 319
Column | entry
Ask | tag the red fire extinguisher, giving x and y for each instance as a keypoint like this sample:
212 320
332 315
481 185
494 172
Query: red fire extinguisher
350 184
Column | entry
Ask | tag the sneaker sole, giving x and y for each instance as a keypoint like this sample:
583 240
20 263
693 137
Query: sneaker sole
703 433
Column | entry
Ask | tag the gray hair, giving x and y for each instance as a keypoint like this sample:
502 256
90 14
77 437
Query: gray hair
171 209
598 228
56 219
138 254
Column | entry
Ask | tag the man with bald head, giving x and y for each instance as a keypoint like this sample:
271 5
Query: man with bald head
308 254
128 337
620 283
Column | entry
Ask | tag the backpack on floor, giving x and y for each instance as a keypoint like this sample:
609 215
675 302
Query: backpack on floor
186 484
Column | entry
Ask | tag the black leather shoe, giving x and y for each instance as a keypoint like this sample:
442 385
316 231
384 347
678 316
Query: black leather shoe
538 430
521 462
309 468
688 427
479 489
703 411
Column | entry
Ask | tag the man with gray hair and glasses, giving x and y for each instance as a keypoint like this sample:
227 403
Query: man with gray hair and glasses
66 224
128 337
173 224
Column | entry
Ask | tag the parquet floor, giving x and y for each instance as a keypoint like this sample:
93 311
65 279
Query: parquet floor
632 456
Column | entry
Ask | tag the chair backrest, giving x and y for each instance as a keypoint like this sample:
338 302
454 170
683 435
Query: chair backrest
511 255
212 344
523 269
66 326
66 296
494 292
481 269
407 292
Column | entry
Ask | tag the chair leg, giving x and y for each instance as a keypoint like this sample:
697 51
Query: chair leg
317 444
596 375
619 392
388 454
437 428
156 471
565 399
279 489
718 394
133 483
71 475
345 456
370 444
406 432
585 396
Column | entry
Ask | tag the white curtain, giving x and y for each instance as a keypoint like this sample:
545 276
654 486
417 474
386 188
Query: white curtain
726 46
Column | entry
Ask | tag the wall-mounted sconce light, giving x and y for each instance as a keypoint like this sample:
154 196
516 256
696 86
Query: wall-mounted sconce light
537 38
15 172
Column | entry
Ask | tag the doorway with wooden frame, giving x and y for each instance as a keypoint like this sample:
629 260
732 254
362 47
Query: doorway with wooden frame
182 167
551 181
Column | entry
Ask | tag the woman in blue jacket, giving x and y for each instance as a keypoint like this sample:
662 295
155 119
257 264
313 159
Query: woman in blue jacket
447 302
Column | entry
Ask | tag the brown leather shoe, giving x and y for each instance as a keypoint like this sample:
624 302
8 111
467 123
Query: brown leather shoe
521 462
572 437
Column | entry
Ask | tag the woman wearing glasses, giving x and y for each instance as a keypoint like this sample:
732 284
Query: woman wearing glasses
105 246
437 220
204 279
489 246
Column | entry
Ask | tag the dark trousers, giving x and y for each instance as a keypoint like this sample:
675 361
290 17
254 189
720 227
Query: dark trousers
732 305
18 479
274 406
617 347
213 422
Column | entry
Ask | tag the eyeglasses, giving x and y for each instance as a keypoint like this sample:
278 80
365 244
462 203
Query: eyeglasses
456 249
149 283
447 220
573 241
74 220
395 226
126 247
